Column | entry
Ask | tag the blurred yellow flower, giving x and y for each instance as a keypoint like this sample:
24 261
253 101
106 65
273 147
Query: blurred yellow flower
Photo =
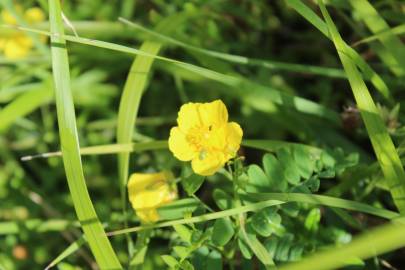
205 137
18 45
148 191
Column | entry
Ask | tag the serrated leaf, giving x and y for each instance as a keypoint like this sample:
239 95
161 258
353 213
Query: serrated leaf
222 232
192 183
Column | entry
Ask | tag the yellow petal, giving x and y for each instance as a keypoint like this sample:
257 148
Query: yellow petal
148 215
213 113
179 146
188 116
3 42
17 48
34 15
234 139
208 163
146 192
8 18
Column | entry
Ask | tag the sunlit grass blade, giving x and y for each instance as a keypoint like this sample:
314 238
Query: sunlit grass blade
283 198
326 201
266 145
307 69
384 148
239 85
23 105
397 30
391 43
366 70
93 230
72 248
372 243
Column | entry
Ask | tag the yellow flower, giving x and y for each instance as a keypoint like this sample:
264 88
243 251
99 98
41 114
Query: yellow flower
19 44
205 137
148 191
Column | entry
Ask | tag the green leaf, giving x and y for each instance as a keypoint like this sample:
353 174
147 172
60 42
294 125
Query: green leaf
72 248
170 261
258 181
304 161
244 248
222 199
183 232
181 251
93 230
178 208
381 141
192 183
312 220
214 261
266 222
275 173
222 232
291 171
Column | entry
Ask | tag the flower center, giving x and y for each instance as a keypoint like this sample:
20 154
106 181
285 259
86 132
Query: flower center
199 137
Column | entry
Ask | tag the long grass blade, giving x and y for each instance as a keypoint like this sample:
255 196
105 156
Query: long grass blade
384 148
239 85
93 230
372 243
391 43
366 70
307 69
283 198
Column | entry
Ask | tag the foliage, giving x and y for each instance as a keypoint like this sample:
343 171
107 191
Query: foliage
310 188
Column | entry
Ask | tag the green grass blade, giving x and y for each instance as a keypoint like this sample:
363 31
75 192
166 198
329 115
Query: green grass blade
384 148
93 230
307 69
327 201
131 97
397 30
23 105
266 145
370 244
282 198
366 70
240 86
72 248
392 44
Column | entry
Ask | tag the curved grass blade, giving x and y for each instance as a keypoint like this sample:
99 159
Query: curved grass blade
23 105
384 148
392 44
72 248
397 30
93 230
239 85
372 243
327 201
366 70
297 197
330 72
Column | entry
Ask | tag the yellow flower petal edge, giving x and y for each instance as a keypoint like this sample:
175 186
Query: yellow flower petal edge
148 191
205 137
19 45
